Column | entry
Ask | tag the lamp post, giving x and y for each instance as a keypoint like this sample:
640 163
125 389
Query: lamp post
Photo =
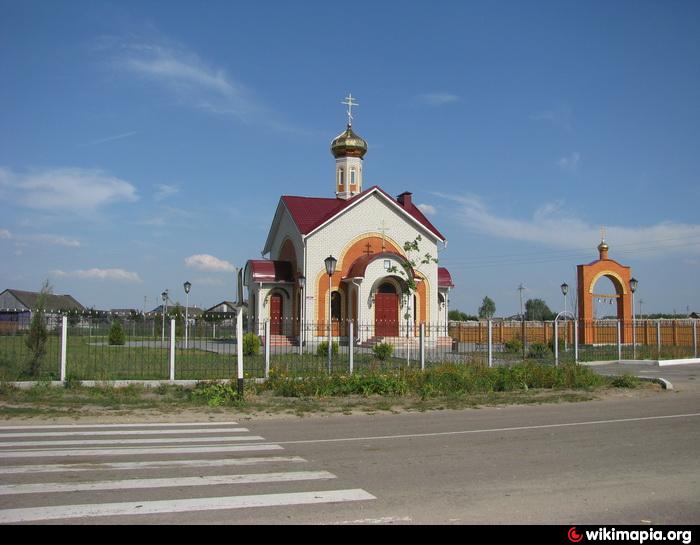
633 287
330 262
564 291
164 295
302 285
187 286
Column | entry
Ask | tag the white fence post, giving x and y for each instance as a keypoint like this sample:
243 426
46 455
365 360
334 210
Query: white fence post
490 343
695 338
576 341
172 349
619 341
267 348
239 348
422 346
64 342
658 339
351 344
556 344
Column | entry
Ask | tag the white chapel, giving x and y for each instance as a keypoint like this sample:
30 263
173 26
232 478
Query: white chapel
362 233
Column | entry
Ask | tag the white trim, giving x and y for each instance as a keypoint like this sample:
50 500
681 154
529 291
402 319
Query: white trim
387 199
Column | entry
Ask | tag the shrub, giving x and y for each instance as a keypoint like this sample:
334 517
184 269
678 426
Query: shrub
322 349
251 344
514 346
216 394
539 351
383 351
116 333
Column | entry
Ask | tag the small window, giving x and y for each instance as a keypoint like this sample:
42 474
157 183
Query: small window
341 177
352 176
335 305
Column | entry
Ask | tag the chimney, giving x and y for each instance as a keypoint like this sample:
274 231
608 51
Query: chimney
405 199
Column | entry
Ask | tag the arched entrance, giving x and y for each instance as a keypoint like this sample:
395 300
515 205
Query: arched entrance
588 276
386 311
276 313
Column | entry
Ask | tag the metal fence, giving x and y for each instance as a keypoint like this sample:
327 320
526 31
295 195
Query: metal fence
92 347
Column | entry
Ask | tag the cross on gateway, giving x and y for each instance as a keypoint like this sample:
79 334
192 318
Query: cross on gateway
349 101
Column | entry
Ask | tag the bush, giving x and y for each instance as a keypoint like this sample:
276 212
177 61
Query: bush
514 346
322 349
539 351
216 394
383 351
251 344
116 333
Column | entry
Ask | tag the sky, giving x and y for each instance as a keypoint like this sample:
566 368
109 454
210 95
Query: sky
145 144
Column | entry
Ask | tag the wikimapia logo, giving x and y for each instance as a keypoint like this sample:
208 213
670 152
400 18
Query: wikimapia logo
636 536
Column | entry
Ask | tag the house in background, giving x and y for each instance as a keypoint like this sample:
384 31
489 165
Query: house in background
17 308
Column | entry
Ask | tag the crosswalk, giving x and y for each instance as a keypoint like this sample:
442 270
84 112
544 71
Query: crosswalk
79 472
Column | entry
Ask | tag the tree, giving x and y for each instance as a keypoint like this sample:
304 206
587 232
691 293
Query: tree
459 316
487 308
38 335
116 333
537 309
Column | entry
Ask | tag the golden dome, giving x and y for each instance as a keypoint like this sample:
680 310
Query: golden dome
603 246
348 144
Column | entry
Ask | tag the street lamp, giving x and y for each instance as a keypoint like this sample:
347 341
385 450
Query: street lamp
633 287
187 286
164 295
564 291
302 285
330 262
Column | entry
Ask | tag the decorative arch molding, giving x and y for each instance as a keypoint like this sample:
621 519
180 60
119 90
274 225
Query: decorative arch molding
619 285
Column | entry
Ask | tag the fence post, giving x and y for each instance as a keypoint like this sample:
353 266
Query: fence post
695 338
351 344
172 349
64 341
619 341
422 346
556 343
490 343
239 348
575 341
658 339
267 348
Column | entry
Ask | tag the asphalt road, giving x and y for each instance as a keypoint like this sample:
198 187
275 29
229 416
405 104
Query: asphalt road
628 459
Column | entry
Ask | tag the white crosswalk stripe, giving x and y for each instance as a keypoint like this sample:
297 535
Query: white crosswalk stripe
188 453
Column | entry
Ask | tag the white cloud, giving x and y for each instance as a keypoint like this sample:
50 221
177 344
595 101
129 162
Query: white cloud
163 191
427 209
113 138
570 163
436 99
67 189
41 238
206 262
119 275
552 225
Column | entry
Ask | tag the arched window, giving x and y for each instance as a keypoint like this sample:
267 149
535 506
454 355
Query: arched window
352 176
341 177
387 287
335 305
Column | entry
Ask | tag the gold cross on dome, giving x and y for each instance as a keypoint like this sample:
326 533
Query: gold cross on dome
349 101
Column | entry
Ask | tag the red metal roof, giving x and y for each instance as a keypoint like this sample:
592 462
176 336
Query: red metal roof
444 278
264 270
310 212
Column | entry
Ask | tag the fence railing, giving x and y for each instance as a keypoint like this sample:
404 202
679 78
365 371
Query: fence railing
86 347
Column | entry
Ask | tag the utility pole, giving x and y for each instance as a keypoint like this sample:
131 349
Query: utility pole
522 317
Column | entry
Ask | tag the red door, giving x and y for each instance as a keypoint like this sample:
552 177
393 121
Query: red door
276 314
386 312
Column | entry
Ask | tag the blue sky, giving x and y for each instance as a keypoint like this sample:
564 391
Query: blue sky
147 143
